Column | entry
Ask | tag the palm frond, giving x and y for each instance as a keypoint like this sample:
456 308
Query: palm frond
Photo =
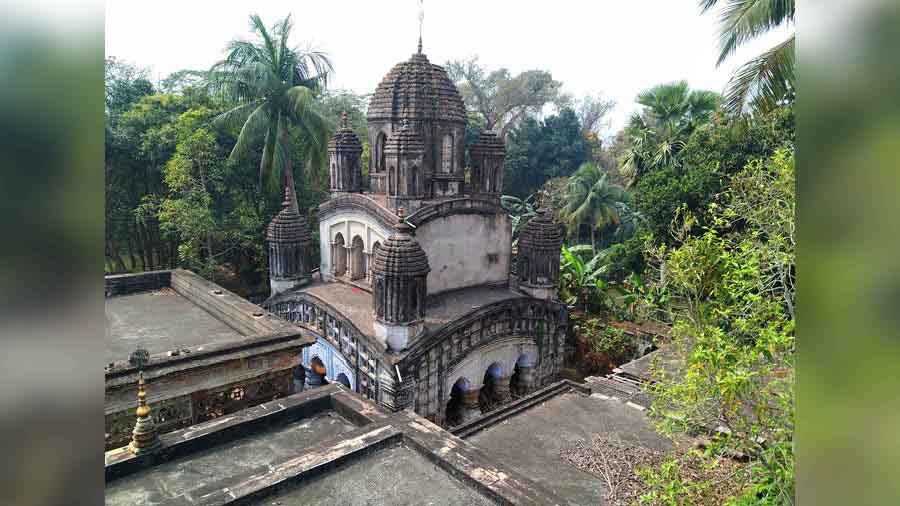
743 20
764 81
253 129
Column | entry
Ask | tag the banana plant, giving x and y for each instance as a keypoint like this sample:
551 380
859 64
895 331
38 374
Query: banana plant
581 282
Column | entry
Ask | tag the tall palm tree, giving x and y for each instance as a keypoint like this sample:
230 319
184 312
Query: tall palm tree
656 135
592 200
763 82
275 87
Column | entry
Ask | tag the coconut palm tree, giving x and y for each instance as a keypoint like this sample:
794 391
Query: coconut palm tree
592 200
656 135
275 86
763 82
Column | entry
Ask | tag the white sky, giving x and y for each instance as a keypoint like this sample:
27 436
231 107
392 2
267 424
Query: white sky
615 47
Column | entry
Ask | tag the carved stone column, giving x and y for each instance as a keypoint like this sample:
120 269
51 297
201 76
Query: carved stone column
525 379
471 408
501 389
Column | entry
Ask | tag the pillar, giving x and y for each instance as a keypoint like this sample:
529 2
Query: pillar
525 379
471 409
501 389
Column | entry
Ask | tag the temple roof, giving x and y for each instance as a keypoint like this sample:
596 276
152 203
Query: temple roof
288 226
400 255
541 233
404 140
488 142
344 139
417 89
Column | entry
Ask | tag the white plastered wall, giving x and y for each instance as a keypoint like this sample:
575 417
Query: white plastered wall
349 224
466 250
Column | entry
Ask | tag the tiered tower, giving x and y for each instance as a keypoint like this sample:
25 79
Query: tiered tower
344 151
487 154
538 256
399 273
289 246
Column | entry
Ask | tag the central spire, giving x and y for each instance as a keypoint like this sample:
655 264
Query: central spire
421 18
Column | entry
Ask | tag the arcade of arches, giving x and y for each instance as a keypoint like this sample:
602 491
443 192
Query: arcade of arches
477 389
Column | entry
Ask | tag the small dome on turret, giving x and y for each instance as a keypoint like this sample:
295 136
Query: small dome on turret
344 140
400 255
488 143
542 233
288 226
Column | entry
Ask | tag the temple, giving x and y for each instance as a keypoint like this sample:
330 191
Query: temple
416 302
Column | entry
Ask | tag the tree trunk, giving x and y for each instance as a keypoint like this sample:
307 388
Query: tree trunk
594 240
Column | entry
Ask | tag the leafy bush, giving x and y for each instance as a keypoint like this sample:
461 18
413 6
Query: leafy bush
602 347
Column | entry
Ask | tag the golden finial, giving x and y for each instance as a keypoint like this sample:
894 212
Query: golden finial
144 437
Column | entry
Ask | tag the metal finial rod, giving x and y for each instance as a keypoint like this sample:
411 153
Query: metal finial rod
421 19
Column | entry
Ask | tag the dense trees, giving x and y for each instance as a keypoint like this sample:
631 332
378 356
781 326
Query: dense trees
659 132
541 150
501 99
275 88
592 201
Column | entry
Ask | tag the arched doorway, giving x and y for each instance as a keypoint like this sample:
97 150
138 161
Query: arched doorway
316 376
357 259
489 397
339 255
455 412
344 380
332 361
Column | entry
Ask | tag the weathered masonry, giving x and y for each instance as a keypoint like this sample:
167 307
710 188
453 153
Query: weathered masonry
414 304
211 352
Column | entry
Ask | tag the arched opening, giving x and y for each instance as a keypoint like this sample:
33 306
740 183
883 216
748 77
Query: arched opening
339 255
413 181
390 189
357 259
447 154
518 379
456 405
488 397
317 372
380 143
344 380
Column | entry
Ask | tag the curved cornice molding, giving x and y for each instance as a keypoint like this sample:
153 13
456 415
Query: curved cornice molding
357 202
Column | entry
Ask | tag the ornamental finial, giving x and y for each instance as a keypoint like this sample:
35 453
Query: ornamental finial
344 120
144 437
421 18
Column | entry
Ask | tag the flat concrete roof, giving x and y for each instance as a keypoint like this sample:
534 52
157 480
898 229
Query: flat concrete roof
394 476
448 307
166 481
356 304
160 320
529 442
350 301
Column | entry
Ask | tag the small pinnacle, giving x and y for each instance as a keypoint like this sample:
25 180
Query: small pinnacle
401 212
344 120
420 44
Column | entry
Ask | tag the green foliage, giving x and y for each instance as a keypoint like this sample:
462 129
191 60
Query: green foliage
602 347
734 330
656 135
581 282
766 81
520 211
592 202
499 98
711 155
275 88
541 150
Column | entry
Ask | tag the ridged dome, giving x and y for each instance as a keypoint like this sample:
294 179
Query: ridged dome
344 140
488 143
400 255
288 227
404 140
541 233
417 89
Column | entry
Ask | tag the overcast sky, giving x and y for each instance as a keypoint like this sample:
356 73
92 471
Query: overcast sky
614 47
